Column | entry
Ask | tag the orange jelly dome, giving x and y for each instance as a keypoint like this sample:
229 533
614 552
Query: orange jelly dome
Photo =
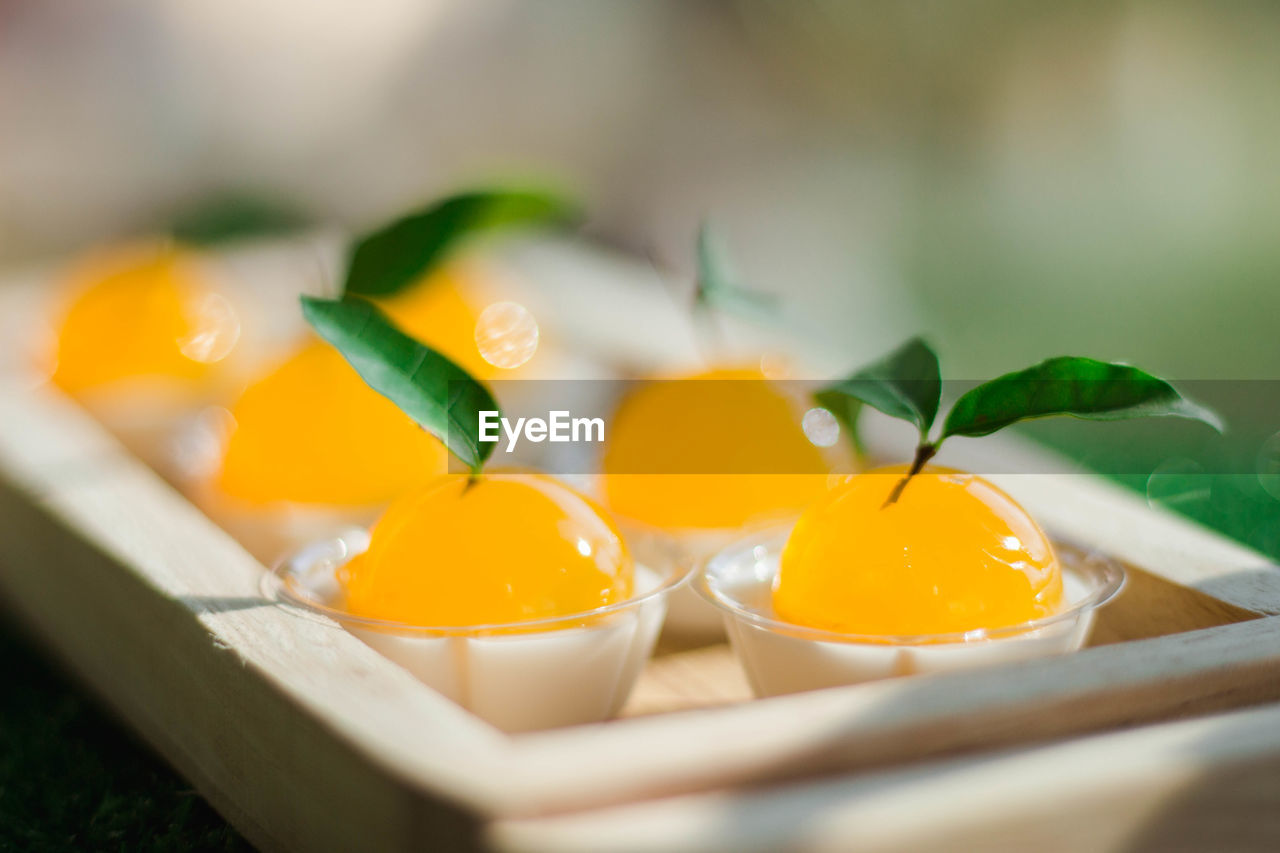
953 554
507 548
438 312
709 422
136 316
311 431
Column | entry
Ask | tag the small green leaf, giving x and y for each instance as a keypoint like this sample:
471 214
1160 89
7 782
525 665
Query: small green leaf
904 384
1081 387
233 218
438 394
718 288
391 258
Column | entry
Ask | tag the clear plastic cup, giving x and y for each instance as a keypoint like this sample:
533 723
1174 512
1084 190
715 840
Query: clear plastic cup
687 613
273 532
519 677
781 657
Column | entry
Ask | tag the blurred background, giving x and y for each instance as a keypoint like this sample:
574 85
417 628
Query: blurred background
1013 180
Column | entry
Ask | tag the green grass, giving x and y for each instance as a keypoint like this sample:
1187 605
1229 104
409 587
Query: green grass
71 778
1214 480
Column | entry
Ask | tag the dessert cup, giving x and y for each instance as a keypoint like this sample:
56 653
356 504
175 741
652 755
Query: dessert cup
273 531
688 614
781 657
269 531
147 417
519 677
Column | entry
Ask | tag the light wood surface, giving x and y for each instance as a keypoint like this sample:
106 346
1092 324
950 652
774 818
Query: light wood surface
307 739
704 677
281 720
1210 784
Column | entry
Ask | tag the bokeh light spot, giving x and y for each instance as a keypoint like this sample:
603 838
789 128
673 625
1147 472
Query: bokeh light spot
1178 483
1269 466
820 427
216 330
196 450
506 335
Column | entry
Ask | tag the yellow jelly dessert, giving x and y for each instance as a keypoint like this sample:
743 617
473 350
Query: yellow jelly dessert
952 554
506 548
312 432
438 312
141 313
709 422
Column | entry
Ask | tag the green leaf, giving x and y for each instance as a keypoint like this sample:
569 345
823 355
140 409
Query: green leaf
1081 387
904 384
718 288
391 258
233 218
438 394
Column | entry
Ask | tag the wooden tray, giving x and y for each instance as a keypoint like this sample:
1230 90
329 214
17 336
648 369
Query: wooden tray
307 739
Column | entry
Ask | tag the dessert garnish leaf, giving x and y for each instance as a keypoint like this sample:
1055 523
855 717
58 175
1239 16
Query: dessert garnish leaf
391 258
1080 387
232 218
904 384
717 286
436 393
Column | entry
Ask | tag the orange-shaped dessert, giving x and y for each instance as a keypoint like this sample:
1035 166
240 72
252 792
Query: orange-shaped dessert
691 429
312 432
502 549
144 313
463 558
952 554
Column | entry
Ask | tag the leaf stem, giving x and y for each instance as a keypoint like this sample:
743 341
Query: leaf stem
707 332
924 452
